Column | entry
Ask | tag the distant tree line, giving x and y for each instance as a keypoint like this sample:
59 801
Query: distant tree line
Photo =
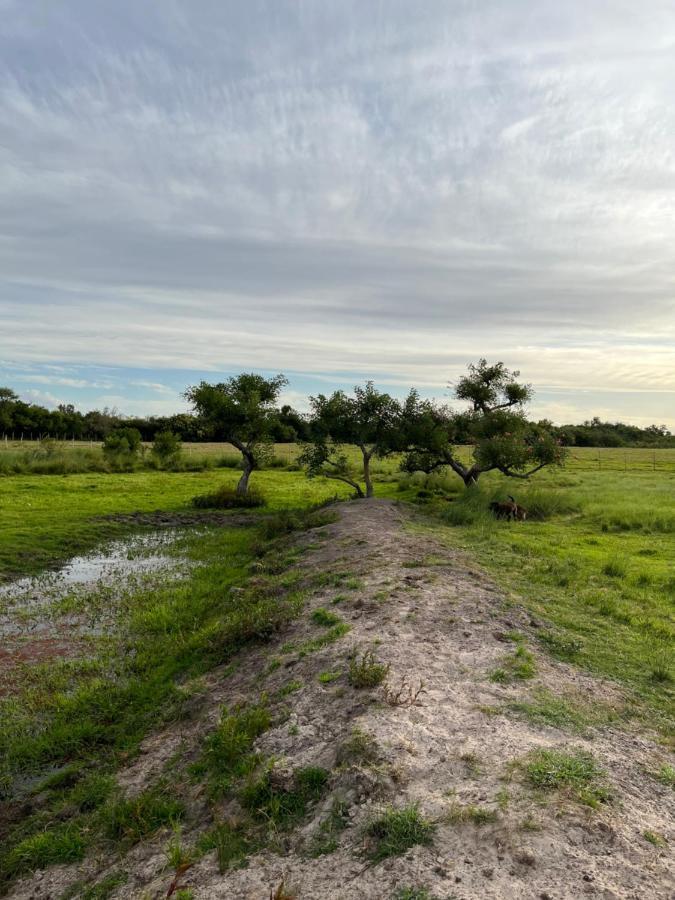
18 418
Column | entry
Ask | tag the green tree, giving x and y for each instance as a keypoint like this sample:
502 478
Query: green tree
369 419
242 411
503 439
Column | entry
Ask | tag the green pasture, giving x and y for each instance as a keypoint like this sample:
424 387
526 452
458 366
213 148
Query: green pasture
594 563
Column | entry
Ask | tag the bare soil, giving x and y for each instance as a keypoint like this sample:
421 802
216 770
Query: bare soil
436 621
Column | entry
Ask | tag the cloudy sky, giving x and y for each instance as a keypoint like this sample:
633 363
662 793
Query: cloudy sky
338 190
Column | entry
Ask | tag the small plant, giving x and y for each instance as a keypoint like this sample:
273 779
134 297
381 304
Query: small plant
412 893
366 672
328 677
559 645
520 666
654 838
228 751
323 617
231 843
575 774
666 775
359 748
477 815
226 497
396 831
405 695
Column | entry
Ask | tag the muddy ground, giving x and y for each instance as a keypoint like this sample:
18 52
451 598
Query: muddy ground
437 621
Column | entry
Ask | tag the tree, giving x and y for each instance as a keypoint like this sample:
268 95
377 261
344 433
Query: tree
242 411
370 420
502 437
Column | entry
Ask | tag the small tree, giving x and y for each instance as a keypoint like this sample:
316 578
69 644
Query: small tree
242 411
503 438
166 447
369 420
122 446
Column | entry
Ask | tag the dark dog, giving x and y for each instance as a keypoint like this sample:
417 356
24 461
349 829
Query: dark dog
508 510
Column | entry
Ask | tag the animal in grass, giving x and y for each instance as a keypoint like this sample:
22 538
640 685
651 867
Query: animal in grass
508 509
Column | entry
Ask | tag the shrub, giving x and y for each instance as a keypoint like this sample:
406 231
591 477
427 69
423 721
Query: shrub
122 446
366 672
226 497
166 447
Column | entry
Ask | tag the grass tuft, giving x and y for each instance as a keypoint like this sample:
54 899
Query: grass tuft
366 671
396 831
576 774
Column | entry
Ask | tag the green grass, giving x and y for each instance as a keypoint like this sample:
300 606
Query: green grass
397 830
519 666
46 519
282 808
575 774
128 821
596 568
476 815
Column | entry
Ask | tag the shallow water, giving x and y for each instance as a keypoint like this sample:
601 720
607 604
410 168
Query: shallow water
27 605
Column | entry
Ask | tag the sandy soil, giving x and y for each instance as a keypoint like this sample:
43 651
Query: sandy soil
428 613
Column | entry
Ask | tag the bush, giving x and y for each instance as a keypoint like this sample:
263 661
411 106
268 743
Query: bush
227 497
122 446
167 447
366 672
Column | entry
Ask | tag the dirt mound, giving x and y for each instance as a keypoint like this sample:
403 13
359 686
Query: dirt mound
458 758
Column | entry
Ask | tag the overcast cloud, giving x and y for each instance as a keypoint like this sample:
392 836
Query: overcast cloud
339 190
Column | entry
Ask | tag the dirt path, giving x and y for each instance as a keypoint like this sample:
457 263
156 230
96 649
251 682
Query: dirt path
459 751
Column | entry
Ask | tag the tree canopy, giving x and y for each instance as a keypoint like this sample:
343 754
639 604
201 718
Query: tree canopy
241 411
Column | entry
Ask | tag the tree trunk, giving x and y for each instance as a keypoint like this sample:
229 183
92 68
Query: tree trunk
249 466
366 472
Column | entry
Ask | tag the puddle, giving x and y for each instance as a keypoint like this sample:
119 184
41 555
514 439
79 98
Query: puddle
51 616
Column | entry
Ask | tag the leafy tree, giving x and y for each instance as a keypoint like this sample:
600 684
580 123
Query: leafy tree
242 411
502 437
166 447
370 420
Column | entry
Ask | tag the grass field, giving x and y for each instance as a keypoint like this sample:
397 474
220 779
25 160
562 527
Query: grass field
18 456
594 563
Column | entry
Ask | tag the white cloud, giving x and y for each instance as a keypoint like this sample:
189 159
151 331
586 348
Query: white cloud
340 187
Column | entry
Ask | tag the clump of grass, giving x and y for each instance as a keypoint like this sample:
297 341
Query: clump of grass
290 688
61 844
226 497
615 567
328 637
324 617
477 815
328 677
228 751
666 775
359 748
654 838
397 830
575 774
287 521
520 666
131 820
366 671
283 807
412 893
232 845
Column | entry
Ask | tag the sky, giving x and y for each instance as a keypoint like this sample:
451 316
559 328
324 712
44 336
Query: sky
338 191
